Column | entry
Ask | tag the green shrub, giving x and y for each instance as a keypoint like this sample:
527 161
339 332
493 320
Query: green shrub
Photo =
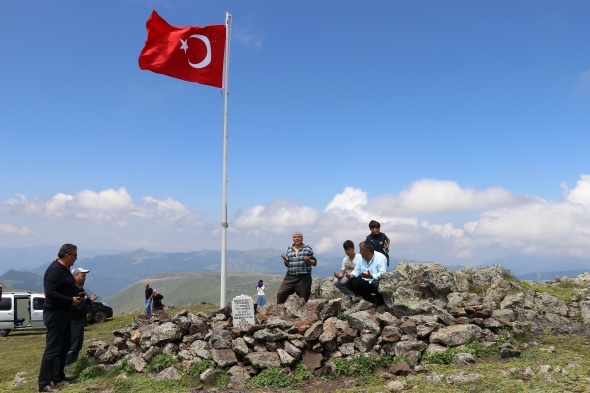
90 372
505 336
276 378
359 366
343 367
272 377
82 363
125 367
221 379
124 385
478 350
301 372
160 362
440 357
199 368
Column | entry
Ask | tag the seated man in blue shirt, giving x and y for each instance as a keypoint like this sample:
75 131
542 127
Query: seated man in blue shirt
364 279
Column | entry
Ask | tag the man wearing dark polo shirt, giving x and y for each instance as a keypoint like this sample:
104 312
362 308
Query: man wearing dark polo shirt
61 297
299 259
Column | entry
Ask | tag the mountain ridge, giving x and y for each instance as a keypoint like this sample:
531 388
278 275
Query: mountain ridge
112 273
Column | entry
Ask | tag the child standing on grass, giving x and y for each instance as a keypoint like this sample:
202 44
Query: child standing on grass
261 299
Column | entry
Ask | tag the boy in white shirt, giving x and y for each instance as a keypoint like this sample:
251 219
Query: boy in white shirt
348 264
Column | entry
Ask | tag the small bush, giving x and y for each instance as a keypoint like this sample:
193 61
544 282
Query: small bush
221 379
124 385
90 372
125 367
276 378
343 367
160 362
272 377
440 357
301 372
505 336
199 368
386 361
361 365
82 363
478 350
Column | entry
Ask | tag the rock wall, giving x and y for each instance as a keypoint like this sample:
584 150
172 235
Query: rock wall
427 308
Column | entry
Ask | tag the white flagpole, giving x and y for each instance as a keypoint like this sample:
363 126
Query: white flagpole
224 225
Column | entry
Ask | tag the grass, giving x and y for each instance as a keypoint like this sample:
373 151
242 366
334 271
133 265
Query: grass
22 351
178 289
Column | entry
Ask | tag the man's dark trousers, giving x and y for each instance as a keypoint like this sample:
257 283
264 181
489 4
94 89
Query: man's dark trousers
365 289
77 340
57 344
301 285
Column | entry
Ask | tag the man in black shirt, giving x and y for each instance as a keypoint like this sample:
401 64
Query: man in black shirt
61 296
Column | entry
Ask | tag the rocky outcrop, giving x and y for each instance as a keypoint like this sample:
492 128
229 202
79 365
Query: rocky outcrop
427 308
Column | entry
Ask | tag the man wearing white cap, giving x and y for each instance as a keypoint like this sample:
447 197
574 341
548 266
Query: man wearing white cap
79 318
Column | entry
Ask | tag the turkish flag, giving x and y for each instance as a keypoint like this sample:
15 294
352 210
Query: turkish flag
193 54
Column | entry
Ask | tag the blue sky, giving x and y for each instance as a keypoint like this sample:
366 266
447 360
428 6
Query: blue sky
461 126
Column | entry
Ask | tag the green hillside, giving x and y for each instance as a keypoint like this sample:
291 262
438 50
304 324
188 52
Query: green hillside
193 288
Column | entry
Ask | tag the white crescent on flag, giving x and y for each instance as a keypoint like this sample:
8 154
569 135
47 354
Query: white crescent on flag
207 60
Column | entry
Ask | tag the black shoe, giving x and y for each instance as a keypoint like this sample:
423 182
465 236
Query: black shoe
70 378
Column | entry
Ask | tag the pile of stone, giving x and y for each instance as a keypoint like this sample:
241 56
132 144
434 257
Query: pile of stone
428 308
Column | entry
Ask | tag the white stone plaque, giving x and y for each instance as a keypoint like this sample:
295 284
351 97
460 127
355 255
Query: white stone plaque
242 311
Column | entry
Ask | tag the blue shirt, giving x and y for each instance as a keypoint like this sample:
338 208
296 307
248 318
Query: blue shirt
376 266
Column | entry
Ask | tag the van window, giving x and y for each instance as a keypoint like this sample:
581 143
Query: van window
6 304
38 303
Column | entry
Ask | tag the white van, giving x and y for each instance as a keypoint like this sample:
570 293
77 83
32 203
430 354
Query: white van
21 311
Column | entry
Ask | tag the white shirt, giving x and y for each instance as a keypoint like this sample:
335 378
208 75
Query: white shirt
357 259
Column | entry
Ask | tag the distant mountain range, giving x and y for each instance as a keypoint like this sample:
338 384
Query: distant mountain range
17 280
27 258
112 273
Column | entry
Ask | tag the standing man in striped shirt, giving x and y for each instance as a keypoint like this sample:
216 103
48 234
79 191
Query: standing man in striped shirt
299 260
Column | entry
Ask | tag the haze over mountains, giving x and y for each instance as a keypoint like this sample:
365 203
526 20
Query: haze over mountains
112 270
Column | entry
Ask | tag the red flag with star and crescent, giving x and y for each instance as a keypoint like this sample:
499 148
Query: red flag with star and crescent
192 53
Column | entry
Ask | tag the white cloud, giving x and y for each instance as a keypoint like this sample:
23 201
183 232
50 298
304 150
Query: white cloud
487 223
166 212
350 200
8 229
279 213
57 206
108 200
581 193
109 206
505 222
430 196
